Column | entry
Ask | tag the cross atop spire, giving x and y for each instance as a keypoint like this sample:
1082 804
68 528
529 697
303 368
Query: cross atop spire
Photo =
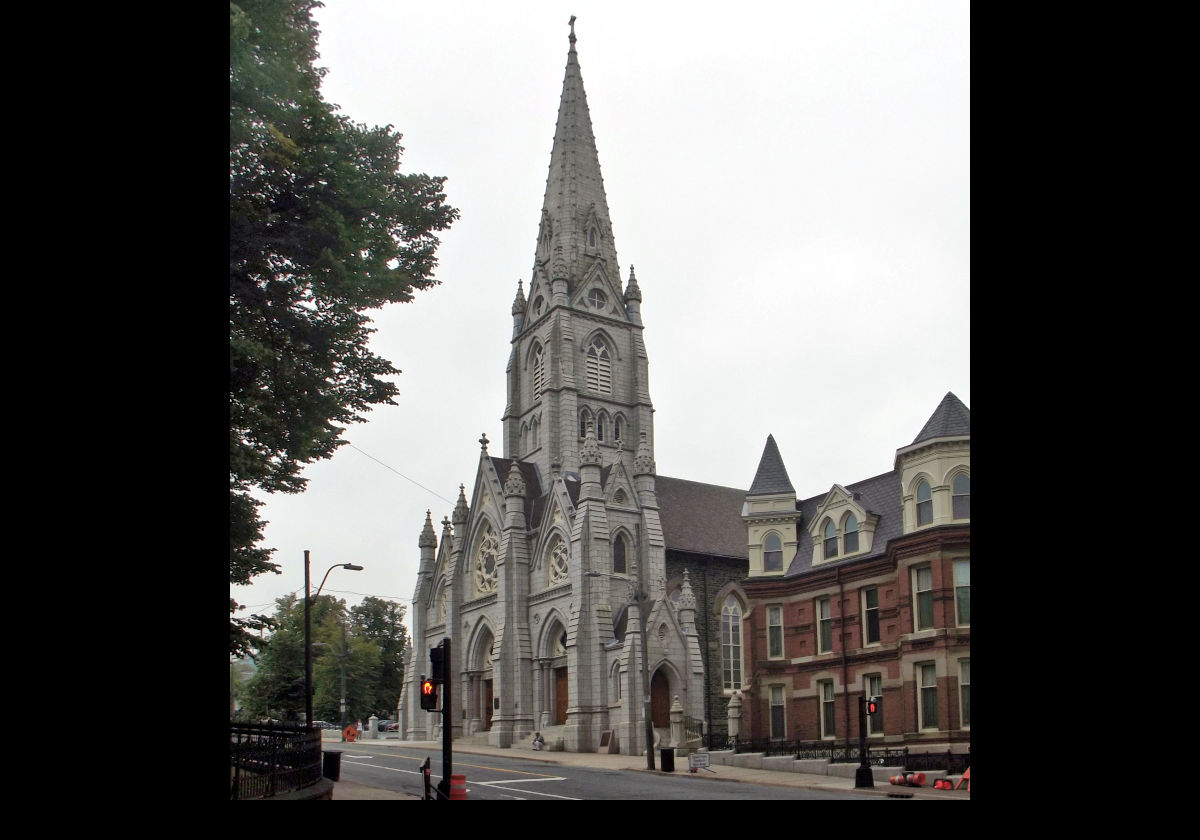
572 36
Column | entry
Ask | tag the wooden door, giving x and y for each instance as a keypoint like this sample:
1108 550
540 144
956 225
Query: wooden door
660 701
487 705
560 696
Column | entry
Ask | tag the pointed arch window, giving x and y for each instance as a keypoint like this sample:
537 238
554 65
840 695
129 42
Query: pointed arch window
533 433
599 367
924 504
539 371
731 644
772 553
601 422
962 496
486 572
591 237
619 555
585 420
850 535
830 539
538 306
617 427
558 561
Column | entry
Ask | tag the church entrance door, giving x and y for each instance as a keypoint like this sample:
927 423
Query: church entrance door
560 696
487 705
660 701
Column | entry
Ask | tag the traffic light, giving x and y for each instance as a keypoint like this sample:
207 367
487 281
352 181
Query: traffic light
873 705
429 695
437 670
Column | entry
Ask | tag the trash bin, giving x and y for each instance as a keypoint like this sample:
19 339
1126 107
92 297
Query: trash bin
332 768
667 760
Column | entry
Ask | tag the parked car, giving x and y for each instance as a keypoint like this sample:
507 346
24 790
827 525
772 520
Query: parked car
382 726
393 727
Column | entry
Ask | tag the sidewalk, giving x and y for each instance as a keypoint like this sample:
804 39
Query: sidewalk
631 763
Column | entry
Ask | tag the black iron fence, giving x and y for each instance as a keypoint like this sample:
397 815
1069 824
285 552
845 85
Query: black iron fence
848 753
269 759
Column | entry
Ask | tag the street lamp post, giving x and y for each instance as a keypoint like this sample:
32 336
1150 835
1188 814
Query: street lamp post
308 718
639 597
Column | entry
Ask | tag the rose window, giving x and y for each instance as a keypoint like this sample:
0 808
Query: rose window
485 562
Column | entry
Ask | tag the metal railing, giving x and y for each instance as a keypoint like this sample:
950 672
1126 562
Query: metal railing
269 759
693 731
848 753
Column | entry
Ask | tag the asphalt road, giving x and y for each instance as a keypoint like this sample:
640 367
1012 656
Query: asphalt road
499 777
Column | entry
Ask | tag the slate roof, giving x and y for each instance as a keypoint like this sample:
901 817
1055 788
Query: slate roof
880 495
771 476
951 419
702 518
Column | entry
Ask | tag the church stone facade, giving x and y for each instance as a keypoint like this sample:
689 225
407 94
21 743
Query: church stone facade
534 580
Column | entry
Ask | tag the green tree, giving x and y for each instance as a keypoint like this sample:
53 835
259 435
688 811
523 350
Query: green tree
322 229
381 622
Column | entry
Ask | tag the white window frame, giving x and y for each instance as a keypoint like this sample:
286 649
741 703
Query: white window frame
731 645
962 588
919 501
964 693
775 629
778 701
826 709
922 595
823 609
873 687
778 541
926 680
955 495
867 610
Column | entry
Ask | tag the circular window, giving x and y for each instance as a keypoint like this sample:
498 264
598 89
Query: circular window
596 298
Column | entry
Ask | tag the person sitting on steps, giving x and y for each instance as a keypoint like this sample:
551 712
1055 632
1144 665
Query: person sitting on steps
538 741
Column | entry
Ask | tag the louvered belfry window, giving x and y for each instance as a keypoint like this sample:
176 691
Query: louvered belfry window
599 367
539 372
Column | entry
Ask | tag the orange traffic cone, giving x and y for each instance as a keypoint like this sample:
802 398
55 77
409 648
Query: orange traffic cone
966 777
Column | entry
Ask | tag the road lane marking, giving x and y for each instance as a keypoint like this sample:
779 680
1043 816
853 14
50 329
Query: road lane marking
523 781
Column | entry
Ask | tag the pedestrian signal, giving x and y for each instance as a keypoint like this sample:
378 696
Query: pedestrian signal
429 695
873 705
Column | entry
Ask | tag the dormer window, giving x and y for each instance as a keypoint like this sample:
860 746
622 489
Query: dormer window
772 554
924 504
850 534
592 237
831 548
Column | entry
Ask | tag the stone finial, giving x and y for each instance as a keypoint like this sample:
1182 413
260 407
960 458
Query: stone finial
519 304
515 485
687 598
446 525
428 538
632 292
483 442
643 462
590 453
461 510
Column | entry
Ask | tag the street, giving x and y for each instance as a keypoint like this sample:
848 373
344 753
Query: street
500 777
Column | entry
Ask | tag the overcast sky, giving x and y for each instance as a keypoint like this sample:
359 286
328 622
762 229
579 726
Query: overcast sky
791 181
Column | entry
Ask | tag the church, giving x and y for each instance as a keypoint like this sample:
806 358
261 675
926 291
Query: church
592 600
568 585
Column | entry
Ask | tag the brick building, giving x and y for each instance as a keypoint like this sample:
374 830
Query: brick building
863 591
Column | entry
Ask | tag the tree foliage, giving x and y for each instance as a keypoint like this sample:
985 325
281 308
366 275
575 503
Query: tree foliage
322 229
356 643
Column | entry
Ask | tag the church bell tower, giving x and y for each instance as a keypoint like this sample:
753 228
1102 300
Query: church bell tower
578 360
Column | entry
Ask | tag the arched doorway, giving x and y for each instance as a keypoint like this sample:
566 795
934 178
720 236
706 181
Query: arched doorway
660 700
484 651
